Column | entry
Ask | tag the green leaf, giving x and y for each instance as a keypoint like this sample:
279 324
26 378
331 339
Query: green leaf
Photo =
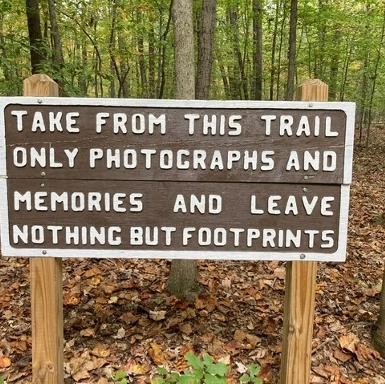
245 379
188 379
119 375
194 361
197 374
212 379
218 369
162 371
254 370
158 380
207 360
174 377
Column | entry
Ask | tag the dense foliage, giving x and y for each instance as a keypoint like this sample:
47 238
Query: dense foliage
124 48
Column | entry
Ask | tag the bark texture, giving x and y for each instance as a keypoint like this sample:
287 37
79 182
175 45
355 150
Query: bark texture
182 281
257 49
182 16
205 49
35 35
379 331
292 52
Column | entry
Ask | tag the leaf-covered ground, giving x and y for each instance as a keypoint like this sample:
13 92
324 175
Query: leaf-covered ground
117 316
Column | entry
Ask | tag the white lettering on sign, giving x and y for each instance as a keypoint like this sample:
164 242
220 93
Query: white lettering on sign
276 205
214 125
254 237
182 159
305 127
78 201
138 124
43 157
150 236
76 235
212 204
309 160
54 122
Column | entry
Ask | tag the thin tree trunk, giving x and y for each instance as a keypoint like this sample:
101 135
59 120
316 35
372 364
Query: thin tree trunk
292 50
205 49
242 84
361 107
111 48
162 62
374 78
4 53
280 48
225 81
334 68
345 71
35 35
142 62
182 280
273 49
257 49
83 84
151 65
319 70
57 59
378 337
182 15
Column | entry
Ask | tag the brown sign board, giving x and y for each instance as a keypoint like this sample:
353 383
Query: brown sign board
177 179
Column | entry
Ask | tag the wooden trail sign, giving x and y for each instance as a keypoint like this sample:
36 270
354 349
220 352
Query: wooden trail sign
175 179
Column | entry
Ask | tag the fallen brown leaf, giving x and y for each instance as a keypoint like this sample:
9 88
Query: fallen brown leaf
341 356
5 362
349 342
156 353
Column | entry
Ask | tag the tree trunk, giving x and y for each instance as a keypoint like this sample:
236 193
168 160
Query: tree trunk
142 62
57 60
35 35
378 337
374 80
182 281
241 85
280 48
182 16
205 49
292 50
151 65
162 53
257 49
273 53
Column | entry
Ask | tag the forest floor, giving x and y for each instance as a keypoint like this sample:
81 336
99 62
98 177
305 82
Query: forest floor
117 316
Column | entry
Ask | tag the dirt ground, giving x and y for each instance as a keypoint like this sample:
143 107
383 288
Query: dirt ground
118 317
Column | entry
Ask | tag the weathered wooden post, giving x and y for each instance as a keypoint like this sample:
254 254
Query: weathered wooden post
46 287
300 286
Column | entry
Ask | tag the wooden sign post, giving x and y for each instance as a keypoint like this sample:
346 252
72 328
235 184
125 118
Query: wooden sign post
46 287
300 287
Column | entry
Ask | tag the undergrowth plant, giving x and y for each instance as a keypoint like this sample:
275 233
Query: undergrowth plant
252 377
119 378
202 371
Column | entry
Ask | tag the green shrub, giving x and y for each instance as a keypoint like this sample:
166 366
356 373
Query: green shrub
203 370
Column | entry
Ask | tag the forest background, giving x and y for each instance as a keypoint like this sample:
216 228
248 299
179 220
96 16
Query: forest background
124 48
